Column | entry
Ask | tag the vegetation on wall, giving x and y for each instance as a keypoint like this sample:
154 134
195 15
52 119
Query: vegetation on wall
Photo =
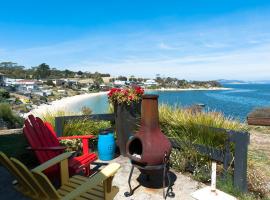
9 118
192 127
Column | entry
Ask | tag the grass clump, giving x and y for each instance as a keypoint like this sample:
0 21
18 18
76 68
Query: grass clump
80 126
195 127
9 118
85 127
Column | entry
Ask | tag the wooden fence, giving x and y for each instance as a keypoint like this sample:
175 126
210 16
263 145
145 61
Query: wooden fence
225 156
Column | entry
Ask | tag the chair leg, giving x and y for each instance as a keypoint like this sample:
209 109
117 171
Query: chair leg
87 170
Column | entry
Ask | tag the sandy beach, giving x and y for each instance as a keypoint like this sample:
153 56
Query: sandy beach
69 102
62 104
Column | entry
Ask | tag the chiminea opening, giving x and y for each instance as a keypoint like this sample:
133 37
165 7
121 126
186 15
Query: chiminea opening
135 148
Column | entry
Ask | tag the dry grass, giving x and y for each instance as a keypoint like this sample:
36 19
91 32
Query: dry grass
260 112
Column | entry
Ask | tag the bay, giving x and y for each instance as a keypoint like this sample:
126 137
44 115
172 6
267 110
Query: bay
235 103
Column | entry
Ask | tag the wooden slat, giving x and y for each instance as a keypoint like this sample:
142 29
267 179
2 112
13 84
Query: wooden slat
95 180
65 190
53 161
64 171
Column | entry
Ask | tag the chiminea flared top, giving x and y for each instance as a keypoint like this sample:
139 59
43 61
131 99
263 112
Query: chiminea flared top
149 145
149 116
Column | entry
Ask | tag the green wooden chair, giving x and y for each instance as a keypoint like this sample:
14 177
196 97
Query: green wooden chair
36 185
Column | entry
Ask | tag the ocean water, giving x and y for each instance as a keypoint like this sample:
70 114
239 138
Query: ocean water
235 103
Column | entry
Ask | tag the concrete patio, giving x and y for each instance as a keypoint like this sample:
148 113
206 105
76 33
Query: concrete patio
182 187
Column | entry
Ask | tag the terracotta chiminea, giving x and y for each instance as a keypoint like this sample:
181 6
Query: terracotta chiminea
149 145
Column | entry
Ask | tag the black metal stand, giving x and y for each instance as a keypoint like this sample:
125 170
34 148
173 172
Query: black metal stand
165 167
130 193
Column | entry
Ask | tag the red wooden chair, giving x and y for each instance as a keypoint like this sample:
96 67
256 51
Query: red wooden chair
44 142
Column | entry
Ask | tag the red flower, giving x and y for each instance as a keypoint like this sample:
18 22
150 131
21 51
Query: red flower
127 95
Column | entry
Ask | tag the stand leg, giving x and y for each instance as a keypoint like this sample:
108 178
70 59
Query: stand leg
170 192
164 181
166 170
130 193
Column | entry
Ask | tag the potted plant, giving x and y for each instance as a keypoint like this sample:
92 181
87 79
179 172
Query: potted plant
127 110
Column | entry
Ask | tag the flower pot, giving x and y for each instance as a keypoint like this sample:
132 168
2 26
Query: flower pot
127 118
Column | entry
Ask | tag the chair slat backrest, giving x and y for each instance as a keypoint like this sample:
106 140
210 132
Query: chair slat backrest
34 141
38 135
22 181
48 132
43 186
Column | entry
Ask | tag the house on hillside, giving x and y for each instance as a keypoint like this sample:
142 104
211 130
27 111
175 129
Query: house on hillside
58 82
118 83
27 85
150 82
86 82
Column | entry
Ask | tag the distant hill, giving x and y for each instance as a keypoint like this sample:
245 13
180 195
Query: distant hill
224 81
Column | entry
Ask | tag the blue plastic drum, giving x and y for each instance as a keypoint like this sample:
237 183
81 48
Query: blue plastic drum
106 145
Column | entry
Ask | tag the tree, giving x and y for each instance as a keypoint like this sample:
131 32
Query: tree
50 83
122 78
4 94
182 83
68 73
42 71
80 73
111 80
132 78
97 79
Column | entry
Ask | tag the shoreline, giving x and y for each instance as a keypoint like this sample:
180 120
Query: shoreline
61 104
189 89
67 102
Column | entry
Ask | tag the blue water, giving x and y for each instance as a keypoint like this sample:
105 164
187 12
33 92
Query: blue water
236 103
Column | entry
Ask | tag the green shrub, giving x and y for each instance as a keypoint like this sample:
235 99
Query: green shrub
4 94
9 117
76 126
50 116
84 127
86 110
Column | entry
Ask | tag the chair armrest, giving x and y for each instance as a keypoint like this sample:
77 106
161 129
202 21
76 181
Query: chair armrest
53 161
96 179
57 148
76 137
84 139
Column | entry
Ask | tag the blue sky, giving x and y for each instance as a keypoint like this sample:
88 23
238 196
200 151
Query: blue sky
195 39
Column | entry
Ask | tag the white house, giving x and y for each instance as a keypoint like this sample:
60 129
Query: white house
27 85
150 82
119 83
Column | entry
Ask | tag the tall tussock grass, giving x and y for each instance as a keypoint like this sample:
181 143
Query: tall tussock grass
191 126
77 126
197 127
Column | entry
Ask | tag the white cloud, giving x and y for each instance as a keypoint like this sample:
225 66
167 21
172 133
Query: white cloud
209 51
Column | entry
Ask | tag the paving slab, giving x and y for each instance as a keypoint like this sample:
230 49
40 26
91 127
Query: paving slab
183 185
